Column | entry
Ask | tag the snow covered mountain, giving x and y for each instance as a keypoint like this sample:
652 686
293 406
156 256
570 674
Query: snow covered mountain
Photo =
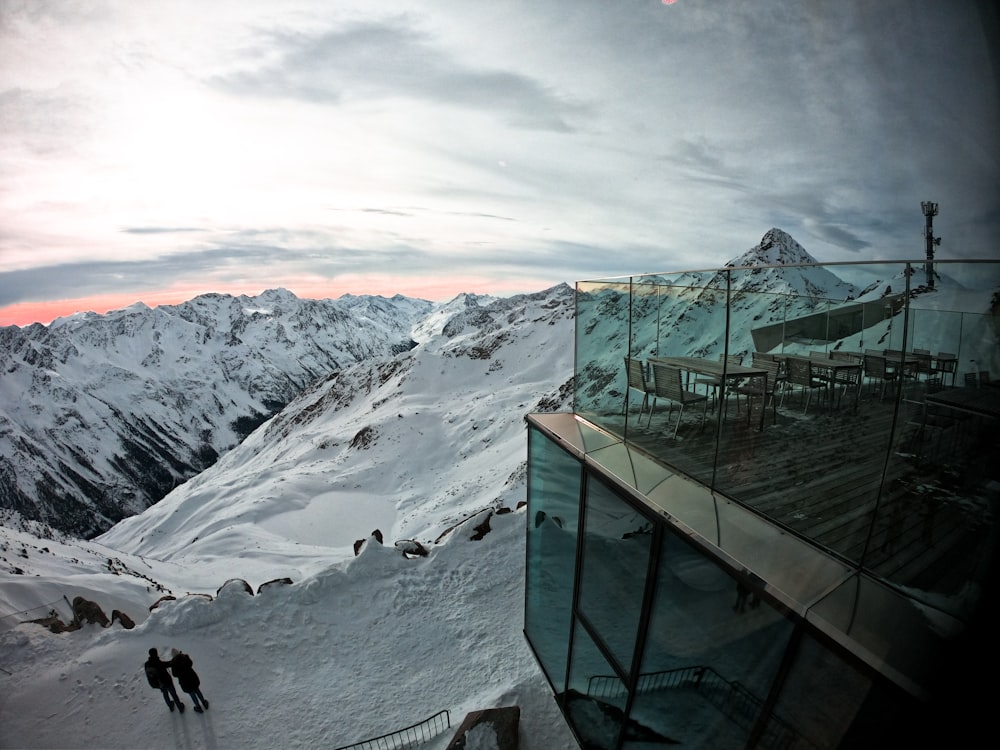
410 444
427 446
101 415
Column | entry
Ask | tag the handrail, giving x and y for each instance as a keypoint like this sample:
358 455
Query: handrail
731 698
422 731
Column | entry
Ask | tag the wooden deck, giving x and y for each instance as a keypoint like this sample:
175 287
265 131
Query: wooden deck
867 483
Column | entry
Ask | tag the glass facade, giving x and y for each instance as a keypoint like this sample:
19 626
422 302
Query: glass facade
859 461
793 571
554 481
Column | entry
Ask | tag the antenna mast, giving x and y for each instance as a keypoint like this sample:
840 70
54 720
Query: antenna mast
930 211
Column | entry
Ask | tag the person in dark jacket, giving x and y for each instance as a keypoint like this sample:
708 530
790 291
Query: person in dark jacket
183 669
156 669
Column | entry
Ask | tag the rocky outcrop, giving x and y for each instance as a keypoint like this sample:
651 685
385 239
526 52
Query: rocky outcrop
411 548
274 582
233 584
85 612
495 728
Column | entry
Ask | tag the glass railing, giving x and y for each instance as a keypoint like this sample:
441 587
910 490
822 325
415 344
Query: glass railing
848 403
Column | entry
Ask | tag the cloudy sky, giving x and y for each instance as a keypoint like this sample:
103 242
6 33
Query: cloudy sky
157 149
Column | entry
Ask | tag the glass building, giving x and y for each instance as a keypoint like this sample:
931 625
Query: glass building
787 561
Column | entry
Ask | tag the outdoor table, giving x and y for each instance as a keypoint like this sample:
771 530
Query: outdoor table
836 371
713 367
983 402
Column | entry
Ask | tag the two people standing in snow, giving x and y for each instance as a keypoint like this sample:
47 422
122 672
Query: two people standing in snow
183 668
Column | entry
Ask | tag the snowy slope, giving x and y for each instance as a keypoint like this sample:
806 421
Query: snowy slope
425 446
409 445
361 648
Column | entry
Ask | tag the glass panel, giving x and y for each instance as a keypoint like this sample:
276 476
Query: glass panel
797 574
650 298
865 463
815 462
595 701
553 501
887 630
934 532
616 546
832 704
602 346
680 428
712 651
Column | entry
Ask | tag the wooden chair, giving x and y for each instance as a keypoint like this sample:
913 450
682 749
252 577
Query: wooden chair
946 363
781 379
753 388
800 373
849 380
667 383
636 373
875 369
924 362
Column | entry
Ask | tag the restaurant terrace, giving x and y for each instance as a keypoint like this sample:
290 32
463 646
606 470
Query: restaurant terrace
771 510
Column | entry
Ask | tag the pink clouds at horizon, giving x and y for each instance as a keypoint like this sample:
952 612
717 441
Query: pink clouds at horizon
434 289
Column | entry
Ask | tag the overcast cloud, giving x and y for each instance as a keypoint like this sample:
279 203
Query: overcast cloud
446 146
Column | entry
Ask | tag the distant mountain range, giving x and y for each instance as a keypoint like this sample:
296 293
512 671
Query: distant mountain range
102 415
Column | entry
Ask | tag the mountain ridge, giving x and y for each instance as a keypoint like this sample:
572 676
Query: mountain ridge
428 447
100 415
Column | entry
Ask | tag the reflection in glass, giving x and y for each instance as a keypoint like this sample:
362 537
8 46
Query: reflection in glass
821 697
867 471
712 651
595 703
553 502
616 547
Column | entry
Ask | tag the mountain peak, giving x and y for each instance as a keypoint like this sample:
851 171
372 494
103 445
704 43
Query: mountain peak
776 248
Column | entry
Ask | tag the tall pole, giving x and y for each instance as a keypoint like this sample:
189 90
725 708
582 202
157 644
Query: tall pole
930 211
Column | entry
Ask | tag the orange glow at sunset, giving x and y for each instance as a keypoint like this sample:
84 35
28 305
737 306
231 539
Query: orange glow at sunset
436 289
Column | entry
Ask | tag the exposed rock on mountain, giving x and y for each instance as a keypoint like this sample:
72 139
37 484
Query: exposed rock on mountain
778 248
417 442
102 415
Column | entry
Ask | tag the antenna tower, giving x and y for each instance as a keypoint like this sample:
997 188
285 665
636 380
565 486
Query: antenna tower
930 211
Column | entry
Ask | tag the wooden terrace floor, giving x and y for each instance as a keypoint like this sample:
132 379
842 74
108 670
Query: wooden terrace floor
916 504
